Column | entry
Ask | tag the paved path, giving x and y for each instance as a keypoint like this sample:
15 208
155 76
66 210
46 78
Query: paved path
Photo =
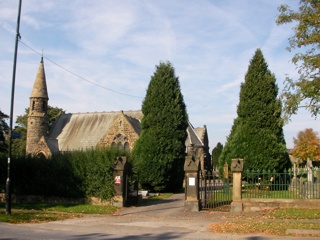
164 219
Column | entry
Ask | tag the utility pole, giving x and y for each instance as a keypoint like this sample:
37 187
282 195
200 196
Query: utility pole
8 193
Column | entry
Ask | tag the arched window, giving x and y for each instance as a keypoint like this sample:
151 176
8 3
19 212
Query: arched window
44 106
113 145
40 155
127 147
120 146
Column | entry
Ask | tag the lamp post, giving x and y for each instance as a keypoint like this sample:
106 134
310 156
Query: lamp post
8 193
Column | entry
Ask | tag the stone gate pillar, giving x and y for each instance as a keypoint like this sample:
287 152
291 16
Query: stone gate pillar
192 168
120 181
237 169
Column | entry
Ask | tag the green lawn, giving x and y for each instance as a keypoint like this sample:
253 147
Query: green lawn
35 213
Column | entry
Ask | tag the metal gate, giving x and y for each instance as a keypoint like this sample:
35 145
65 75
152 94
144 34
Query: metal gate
214 192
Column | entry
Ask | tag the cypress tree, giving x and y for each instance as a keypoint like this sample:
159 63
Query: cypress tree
216 152
159 152
257 134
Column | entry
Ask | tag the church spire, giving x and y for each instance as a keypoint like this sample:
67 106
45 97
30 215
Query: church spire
39 89
37 116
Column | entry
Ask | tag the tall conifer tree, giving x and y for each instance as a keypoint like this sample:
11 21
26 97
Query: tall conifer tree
216 152
159 152
257 134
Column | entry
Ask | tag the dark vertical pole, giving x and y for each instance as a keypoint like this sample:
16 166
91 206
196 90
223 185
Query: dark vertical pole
8 194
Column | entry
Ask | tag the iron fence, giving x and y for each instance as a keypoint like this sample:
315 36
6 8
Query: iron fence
299 183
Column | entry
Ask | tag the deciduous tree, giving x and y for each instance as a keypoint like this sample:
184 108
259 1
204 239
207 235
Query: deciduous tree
307 145
159 153
304 91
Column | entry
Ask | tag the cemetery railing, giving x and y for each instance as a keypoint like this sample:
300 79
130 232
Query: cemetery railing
299 183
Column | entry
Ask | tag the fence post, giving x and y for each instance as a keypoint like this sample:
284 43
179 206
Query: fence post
192 168
120 181
237 169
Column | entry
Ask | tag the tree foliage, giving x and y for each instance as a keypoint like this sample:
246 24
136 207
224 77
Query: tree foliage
305 91
307 145
159 153
19 145
257 134
4 128
216 152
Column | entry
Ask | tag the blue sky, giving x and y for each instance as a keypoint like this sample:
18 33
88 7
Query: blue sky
117 44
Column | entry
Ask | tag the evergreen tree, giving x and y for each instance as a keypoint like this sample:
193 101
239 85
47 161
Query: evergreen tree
4 128
257 134
216 152
159 153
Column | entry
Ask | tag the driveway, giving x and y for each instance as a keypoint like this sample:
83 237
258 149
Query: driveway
164 219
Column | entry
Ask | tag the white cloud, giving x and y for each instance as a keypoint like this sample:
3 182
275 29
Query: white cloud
116 44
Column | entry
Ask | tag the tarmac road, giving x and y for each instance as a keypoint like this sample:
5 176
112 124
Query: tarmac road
164 219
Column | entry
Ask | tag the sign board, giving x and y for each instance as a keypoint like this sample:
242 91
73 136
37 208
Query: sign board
16 135
117 180
192 181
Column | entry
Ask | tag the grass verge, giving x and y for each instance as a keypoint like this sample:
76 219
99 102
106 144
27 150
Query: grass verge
37 213
273 222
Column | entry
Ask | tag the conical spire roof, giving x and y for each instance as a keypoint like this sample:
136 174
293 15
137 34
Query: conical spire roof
39 89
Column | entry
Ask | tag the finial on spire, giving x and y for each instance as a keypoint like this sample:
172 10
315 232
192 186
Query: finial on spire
42 56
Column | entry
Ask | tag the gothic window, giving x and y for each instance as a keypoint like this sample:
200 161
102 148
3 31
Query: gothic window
40 155
113 145
120 146
127 147
33 105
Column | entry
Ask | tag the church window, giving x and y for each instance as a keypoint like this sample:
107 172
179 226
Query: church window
127 147
41 155
113 145
120 146
44 106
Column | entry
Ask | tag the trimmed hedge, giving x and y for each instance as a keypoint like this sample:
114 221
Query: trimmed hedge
74 174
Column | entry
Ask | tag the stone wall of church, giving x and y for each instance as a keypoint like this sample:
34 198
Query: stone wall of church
37 128
121 135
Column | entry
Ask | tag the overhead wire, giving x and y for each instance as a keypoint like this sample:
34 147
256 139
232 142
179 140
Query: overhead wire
77 75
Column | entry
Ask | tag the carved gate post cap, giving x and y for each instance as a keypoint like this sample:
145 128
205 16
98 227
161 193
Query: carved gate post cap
120 163
191 164
237 165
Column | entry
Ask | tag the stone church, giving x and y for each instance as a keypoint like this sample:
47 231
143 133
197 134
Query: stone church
81 131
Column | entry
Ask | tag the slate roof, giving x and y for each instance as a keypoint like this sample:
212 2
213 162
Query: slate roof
79 131
194 136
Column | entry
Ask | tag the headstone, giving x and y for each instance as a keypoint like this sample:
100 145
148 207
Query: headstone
309 169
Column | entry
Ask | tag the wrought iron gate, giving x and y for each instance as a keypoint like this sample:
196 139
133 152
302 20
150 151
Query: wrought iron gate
214 192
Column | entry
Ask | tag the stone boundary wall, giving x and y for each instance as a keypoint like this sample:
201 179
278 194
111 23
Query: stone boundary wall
258 204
